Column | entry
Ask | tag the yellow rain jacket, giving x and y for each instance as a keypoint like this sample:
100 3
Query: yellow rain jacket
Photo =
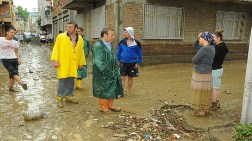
68 56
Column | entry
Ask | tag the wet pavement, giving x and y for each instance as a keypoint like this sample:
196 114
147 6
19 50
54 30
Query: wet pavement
157 85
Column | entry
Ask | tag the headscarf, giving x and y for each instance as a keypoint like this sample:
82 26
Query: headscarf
208 37
130 30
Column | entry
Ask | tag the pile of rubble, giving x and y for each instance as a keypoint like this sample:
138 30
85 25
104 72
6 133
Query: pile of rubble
164 124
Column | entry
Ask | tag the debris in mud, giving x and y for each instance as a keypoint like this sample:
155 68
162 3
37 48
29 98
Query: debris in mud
164 124
227 91
175 136
120 135
34 115
30 71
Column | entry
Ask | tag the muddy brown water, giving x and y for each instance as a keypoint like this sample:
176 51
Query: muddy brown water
157 85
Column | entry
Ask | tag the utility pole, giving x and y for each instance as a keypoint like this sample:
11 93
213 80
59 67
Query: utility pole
246 117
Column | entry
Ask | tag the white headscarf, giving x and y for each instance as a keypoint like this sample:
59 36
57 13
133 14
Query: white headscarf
130 30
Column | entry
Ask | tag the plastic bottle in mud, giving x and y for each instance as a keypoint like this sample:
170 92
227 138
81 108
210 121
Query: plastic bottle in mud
34 115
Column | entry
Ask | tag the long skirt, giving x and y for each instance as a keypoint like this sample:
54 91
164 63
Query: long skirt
201 91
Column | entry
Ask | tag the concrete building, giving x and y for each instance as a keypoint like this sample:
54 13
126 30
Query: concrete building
19 24
32 22
6 15
44 9
61 16
165 28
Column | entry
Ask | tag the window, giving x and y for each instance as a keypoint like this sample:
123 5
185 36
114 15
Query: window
162 22
233 24
97 21
7 13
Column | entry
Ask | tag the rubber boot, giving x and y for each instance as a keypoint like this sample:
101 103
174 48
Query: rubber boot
60 102
78 84
71 99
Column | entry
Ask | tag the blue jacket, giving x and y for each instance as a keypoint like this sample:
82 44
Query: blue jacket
129 54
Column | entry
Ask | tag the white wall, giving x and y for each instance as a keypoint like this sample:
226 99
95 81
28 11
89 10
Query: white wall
79 19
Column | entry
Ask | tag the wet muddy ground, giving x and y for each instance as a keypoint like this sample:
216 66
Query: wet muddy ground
157 107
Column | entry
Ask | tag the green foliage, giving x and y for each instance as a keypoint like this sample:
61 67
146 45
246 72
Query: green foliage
243 132
23 13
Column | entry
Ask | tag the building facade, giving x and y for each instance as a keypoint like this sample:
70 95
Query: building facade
6 15
44 10
32 22
19 23
167 28
61 16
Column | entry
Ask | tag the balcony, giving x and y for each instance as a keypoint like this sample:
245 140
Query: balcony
79 4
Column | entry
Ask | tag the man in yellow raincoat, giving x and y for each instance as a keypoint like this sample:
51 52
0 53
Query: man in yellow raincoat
67 57
107 83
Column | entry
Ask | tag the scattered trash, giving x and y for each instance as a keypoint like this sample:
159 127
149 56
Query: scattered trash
147 136
120 135
175 136
30 71
227 91
186 134
109 125
135 136
170 126
34 115
161 125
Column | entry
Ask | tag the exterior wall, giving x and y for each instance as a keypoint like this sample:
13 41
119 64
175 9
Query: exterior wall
32 24
179 51
46 21
133 16
198 16
6 15
4 7
57 6
87 23
110 16
81 16
78 18
59 22
60 16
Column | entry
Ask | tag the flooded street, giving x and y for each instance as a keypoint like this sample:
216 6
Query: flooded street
157 85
